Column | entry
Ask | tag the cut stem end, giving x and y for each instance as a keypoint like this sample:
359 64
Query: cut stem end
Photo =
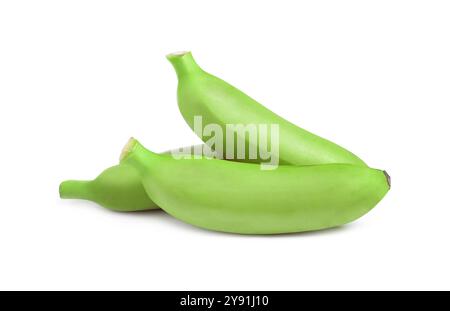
177 54
128 148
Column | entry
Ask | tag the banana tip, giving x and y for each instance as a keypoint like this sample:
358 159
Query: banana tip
388 179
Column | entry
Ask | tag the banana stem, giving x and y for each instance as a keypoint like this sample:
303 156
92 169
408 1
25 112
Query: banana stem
183 62
75 189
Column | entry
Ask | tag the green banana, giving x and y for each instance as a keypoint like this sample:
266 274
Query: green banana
120 187
117 188
217 102
241 198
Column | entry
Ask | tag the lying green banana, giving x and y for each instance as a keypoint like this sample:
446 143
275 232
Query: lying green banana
242 198
217 102
118 188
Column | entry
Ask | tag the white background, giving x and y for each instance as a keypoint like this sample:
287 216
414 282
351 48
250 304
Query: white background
77 78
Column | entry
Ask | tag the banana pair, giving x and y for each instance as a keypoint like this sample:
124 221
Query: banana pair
317 185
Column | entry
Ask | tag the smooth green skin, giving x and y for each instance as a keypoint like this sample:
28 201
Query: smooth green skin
241 198
117 188
202 94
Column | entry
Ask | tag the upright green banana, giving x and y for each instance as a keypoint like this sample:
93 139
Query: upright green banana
241 198
117 188
217 102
